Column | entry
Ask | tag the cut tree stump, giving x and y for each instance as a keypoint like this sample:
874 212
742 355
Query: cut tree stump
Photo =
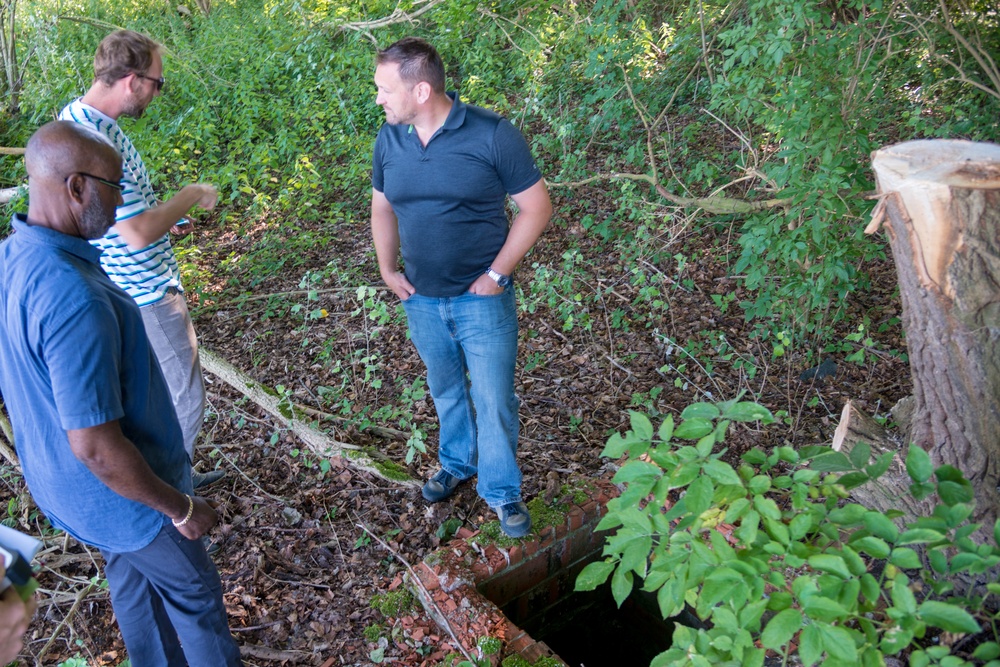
297 422
941 199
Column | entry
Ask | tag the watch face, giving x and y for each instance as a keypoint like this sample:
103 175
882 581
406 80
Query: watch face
504 281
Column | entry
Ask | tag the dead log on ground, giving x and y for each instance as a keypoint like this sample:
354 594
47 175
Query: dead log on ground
295 420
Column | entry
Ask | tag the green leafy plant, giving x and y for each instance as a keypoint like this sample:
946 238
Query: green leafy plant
771 558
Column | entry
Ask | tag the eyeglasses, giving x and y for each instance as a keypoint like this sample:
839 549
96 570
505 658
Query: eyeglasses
159 82
111 184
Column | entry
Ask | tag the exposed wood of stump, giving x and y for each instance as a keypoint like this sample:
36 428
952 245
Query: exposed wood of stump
942 202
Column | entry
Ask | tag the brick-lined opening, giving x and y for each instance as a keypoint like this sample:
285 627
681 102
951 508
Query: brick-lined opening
477 591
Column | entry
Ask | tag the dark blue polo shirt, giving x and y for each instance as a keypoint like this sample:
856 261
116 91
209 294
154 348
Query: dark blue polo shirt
74 354
449 196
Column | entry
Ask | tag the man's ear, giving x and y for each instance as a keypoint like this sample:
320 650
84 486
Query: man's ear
423 92
76 188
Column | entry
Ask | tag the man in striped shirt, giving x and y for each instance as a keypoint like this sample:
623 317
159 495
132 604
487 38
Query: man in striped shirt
137 255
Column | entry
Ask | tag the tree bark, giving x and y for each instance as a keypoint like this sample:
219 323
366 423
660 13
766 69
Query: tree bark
942 202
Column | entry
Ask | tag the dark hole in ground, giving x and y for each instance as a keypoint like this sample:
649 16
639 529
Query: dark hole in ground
587 629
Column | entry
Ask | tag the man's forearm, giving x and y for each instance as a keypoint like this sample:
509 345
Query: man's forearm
534 213
149 226
115 461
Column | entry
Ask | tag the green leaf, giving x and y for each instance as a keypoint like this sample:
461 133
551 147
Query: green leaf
954 493
873 546
781 628
667 429
830 563
919 536
701 411
810 645
799 526
987 651
869 587
759 484
737 509
593 575
621 585
996 532
824 609
767 508
848 515
641 426
947 617
918 464
905 558
705 445
881 526
637 471
860 454
853 480
722 473
746 411
693 429
699 495
616 447
832 462
839 643
882 463
902 597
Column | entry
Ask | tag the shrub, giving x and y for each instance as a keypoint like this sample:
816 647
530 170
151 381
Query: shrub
771 557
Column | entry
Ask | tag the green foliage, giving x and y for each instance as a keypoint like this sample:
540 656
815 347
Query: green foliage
771 557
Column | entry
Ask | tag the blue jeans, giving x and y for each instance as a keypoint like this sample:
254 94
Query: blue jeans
469 345
167 598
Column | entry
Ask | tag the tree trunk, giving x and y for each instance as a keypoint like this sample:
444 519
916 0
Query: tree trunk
942 201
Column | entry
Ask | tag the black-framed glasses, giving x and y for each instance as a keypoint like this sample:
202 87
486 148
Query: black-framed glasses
111 184
159 82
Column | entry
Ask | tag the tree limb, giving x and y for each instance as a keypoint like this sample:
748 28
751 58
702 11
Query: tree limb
288 414
397 16
715 205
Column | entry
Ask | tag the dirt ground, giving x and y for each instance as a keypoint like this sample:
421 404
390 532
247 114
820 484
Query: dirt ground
299 569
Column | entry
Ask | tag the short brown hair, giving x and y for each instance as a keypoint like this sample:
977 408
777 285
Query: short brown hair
418 61
121 53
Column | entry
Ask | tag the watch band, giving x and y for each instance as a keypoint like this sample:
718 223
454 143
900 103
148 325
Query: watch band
500 279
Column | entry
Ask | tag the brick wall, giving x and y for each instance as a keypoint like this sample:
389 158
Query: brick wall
475 591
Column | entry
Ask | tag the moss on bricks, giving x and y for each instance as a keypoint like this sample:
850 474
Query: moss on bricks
392 604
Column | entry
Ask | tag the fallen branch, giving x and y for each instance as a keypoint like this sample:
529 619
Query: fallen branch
715 205
80 597
7 450
439 615
267 653
381 431
397 16
7 194
320 443
4 150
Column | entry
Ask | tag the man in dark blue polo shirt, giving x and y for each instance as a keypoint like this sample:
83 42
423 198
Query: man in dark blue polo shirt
441 174
99 442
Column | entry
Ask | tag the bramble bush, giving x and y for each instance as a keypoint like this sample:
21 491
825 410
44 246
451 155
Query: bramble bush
799 570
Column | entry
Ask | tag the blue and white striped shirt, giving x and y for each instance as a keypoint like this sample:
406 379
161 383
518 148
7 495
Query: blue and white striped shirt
147 273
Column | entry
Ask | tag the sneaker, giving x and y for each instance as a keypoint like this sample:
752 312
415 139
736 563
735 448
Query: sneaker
200 479
440 486
514 519
211 547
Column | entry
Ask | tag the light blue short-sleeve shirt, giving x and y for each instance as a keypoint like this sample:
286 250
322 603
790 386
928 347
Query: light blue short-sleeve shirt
74 354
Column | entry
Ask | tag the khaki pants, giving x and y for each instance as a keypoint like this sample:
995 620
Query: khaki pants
171 334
